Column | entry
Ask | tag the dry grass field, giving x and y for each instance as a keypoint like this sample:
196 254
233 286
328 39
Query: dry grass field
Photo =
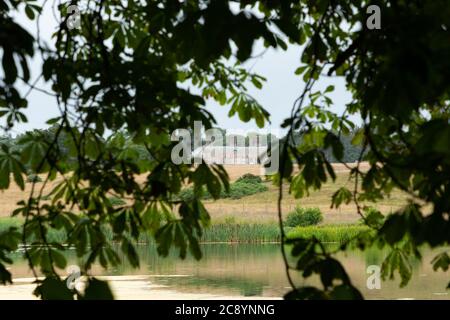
260 207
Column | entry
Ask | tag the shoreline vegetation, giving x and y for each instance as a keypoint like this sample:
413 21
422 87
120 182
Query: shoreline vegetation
232 231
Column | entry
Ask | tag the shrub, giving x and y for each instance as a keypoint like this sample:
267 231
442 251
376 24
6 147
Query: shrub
242 189
115 201
244 186
249 178
304 217
33 178
328 233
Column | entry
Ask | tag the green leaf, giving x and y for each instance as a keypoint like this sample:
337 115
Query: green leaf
336 145
397 261
373 218
9 164
358 137
179 240
194 247
441 261
394 228
330 88
300 70
345 292
5 275
342 195
17 173
298 187
119 222
305 293
58 259
330 270
130 251
9 67
29 12
53 288
256 83
164 238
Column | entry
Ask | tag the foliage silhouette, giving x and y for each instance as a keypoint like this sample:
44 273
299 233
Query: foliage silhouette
124 69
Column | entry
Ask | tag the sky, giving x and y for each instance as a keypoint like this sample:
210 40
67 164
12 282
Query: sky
277 95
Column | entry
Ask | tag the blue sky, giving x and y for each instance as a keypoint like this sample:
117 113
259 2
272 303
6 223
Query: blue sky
276 96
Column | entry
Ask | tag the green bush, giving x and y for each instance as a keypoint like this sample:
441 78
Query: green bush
304 217
242 189
328 233
246 185
249 178
33 178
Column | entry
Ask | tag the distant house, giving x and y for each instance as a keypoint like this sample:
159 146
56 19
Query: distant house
230 154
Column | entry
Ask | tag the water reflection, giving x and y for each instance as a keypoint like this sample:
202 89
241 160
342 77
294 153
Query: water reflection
257 270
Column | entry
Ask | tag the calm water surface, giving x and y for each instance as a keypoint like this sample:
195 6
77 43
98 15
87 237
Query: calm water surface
257 270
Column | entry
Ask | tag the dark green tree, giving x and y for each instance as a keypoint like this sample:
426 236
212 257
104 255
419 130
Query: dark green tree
130 66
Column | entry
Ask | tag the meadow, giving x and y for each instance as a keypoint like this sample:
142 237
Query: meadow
253 218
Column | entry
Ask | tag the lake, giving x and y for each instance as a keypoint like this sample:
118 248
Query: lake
256 270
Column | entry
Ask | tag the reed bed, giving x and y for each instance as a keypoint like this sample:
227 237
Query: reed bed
329 233
232 231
